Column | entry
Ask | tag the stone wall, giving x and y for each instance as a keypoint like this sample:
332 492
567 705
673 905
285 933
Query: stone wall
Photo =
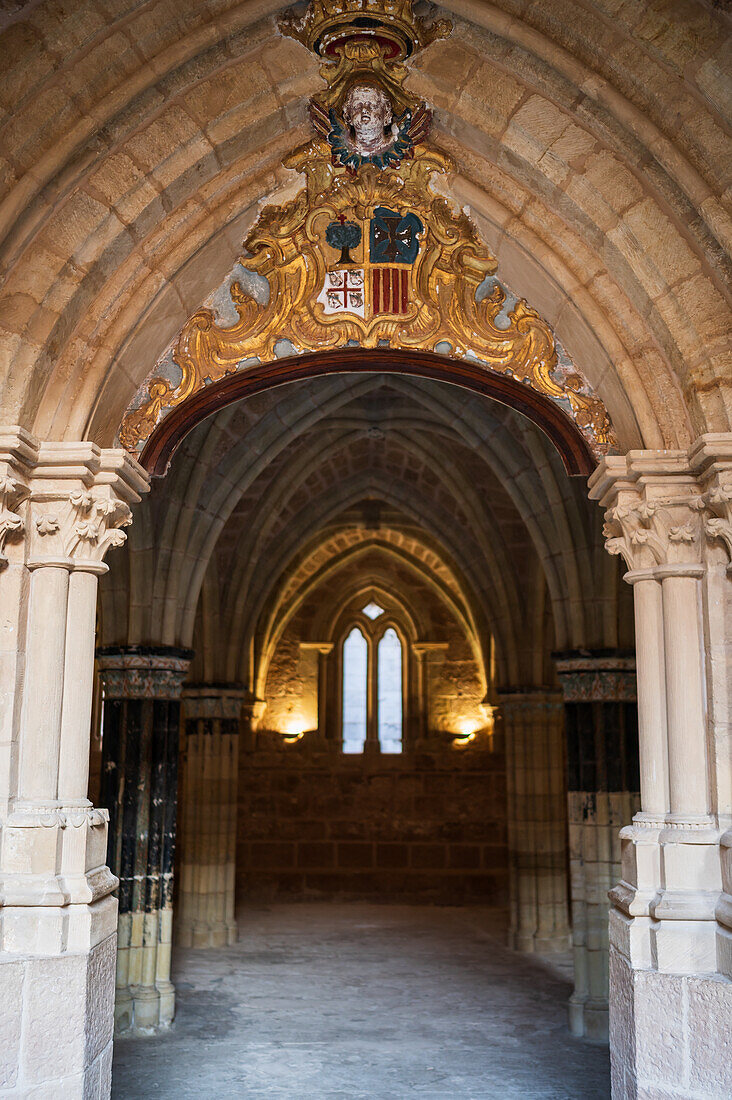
426 826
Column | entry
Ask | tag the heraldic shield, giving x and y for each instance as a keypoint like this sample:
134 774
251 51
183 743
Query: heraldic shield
372 272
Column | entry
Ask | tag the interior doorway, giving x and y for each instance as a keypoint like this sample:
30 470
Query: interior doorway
370 582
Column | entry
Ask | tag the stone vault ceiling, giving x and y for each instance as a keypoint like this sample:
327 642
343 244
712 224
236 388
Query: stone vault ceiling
268 497
592 144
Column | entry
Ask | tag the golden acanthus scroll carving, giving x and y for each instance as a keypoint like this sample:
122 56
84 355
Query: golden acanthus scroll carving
368 252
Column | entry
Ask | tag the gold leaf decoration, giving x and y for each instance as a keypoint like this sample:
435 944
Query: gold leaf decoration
368 252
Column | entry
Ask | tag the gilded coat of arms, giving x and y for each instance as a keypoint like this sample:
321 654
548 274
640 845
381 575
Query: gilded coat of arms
378 282
369 252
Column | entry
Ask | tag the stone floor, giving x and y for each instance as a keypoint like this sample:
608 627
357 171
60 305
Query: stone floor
365 1002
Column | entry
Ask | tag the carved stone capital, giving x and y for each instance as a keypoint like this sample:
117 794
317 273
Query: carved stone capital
81 526
214 700
80 499
539 704
68 500
143 672
667 508
654 508
12 492
718 501
602 676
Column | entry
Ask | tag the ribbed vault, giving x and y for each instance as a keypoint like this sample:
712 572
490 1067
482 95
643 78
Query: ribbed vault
271 496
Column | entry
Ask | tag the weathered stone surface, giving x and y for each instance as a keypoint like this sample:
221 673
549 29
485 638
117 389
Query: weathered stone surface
709 1024
11 995
659 1028
100 999
54 1018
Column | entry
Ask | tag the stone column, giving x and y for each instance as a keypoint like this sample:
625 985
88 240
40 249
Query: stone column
141 729
252 710
323 736
667 514
602 784
533 725
62 507
208 814
425 654
421 696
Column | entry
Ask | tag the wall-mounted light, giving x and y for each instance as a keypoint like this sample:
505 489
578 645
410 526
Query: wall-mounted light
466 731
294 731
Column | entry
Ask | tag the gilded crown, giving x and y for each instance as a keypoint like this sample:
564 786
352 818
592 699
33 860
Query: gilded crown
327 25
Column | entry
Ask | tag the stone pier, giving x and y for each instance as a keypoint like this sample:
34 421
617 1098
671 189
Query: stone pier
533 725
602 783
63 505
207 831
141 724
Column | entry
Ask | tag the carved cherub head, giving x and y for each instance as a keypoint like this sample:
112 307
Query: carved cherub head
367 111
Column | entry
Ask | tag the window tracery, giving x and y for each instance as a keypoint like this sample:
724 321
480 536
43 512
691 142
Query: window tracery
373 676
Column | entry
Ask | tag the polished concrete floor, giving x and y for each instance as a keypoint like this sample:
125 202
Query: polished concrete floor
365 1002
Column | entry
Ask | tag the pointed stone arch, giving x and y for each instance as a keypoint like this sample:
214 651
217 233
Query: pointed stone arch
572 445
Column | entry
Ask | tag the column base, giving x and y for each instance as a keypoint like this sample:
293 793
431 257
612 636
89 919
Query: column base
669 1033
200 936
56 1021
531 943
145 996
588 1019
663 915
143 1010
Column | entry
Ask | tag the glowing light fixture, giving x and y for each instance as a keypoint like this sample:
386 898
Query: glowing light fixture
294 730
466 732
460 741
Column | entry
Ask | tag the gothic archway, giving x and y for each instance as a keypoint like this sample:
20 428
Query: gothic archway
572 445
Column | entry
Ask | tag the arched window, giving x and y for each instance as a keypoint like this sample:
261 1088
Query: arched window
372 684
389 678
355 691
